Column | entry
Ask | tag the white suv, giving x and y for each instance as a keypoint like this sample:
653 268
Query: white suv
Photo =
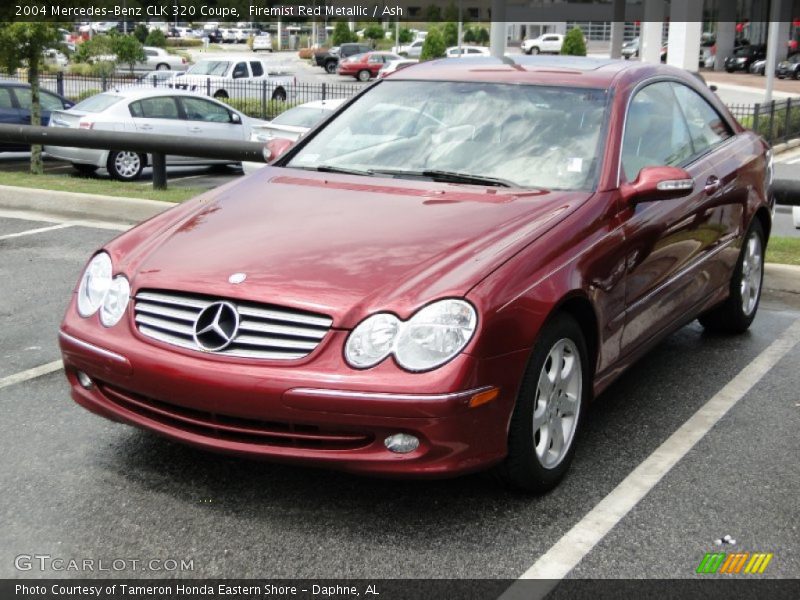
549 42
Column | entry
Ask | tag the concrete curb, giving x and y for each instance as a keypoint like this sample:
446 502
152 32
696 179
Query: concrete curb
72 205
782 278
785 146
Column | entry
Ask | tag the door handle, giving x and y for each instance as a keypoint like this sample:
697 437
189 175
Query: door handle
712 185
145 127
195 129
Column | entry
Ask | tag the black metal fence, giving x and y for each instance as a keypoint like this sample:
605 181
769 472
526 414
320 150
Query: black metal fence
778 121
262 99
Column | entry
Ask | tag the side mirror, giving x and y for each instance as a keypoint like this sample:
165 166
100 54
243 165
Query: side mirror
236 119
658 183
276 148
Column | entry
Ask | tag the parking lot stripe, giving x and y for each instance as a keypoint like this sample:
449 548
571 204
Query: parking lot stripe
561 558
33 373
45 218
33 231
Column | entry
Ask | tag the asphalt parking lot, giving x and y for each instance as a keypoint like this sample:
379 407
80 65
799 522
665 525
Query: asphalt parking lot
78 486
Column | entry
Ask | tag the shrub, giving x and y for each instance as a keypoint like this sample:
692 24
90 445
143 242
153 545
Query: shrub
342 34
141 33
573 43
450 34
183 43
482 36
305 53
434 46
405 35
156 38
374 32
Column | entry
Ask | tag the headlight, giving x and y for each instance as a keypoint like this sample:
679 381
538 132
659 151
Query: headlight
433 336
116 301
94 285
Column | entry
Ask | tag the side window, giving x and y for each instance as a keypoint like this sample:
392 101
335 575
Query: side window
706 127
5 99
240 70
655 131
50 101
376 59
150 53
162 107
198 109
257 68
135 109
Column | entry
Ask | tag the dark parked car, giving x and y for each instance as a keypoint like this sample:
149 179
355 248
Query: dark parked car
789 67
15 108
444 273
329 60
745 56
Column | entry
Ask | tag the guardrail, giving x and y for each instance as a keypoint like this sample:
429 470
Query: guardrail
158 146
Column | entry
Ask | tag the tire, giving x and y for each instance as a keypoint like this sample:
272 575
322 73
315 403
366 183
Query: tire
534 50
279 95
124 165
84 169
363 75
162 67
330 67
546 400
729 70
220 95
737 312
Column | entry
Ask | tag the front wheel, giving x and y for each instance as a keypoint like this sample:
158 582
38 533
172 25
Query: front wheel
125 165
330 67
736 313
279 95
546 418
162 67
220 94
363 75
534 50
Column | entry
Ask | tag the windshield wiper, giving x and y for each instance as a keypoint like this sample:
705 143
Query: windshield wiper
447 177
343 170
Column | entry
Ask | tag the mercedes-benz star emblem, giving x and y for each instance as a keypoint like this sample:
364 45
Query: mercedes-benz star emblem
216 326
237 278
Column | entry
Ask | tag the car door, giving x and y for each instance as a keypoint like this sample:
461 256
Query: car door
48 102
550 43
673 262
10 115
210 120
161 115
374 64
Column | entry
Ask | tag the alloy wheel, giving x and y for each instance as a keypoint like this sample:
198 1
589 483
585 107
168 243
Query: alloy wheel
752 267
127 164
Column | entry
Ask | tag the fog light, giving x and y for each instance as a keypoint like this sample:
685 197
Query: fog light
401 443
85 380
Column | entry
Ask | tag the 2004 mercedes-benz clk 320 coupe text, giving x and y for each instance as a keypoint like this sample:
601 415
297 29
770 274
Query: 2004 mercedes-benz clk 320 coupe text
436 279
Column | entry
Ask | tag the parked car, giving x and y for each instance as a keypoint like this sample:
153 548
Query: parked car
15 108
329 59
263 41
159 59
156 78
758 67
291 124
789 67
365 66
391 66
630 49
236 79
412 50
548 43
448 301
466 51
146 110
243 34
744 56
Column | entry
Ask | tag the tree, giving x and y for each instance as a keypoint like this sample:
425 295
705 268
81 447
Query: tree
127 50
433 13
450 34
156 38
373 32
141 32
433 47
451 12
482 36
405 35
342 34
469 36
23 44
573 43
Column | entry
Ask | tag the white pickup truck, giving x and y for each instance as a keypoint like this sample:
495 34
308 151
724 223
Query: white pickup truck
237 79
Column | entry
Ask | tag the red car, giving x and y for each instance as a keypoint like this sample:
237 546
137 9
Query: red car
439 278
365 66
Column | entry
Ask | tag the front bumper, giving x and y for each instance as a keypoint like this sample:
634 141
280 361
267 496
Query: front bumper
311 413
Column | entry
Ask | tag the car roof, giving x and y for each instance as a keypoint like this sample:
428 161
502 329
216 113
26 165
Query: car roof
134 93
573 71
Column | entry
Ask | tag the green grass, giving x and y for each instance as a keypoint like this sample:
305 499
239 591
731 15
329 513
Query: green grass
106 187
784 250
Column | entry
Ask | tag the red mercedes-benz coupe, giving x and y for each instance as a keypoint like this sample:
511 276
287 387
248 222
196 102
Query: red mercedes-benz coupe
438 278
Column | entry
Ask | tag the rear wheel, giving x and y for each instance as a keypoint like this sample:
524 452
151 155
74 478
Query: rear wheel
279 94
330 67
363 75
125 165
84 169
220 94
162 67
534 50
546 418
738 311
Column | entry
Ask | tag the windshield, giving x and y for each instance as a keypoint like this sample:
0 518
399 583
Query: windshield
523 135
211 67
98 103
301 116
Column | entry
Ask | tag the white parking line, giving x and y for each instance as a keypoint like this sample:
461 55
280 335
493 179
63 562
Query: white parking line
33 373
793 161
560 559
33 231
47 218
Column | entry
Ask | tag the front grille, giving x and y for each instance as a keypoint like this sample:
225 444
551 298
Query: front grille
264 331
233 429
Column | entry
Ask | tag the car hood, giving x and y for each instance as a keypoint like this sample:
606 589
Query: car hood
340 245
